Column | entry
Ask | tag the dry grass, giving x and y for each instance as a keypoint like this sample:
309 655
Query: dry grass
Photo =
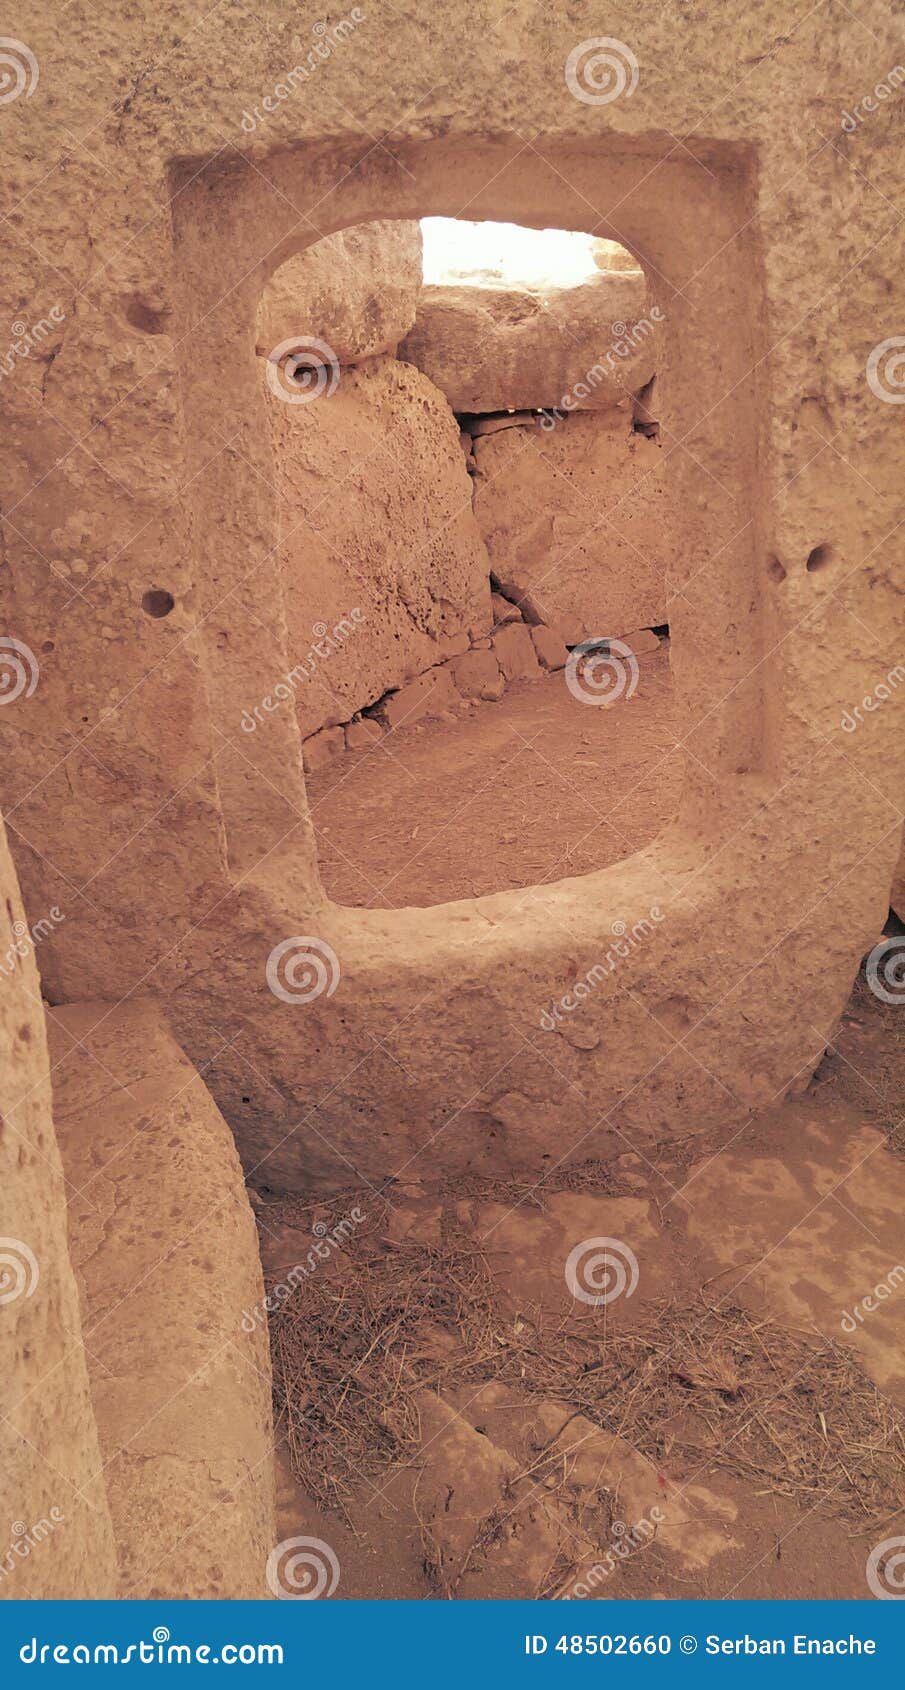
594 1175
350 1354
700 1387
791 1414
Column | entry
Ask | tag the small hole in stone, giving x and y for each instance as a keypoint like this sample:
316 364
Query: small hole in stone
819 558
157 602
47 645
145 318
775 570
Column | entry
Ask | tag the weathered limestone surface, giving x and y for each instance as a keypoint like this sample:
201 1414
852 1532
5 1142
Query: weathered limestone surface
581 519
165 1247
493 349
377 521
140 458
356 290
56 1538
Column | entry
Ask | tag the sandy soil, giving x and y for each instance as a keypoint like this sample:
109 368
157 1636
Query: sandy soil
536 787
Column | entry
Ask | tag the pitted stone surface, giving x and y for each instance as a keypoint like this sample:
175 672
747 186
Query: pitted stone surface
60 1543
380 538
580 519
165 1246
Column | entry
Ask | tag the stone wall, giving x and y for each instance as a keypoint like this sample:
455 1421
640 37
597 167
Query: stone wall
384 568
130 1308
356 292
386 571
138 461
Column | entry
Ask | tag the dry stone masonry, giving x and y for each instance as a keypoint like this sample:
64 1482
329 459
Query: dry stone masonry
386 583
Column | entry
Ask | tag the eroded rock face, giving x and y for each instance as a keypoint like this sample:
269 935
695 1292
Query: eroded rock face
356 290
61 1544
380 541
493 348
579 522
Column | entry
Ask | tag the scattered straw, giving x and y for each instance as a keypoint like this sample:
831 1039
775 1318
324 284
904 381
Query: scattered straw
695 1387
791 1413
351 1352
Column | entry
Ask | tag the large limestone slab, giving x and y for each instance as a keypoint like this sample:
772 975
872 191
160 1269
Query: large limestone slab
580 519
165 1246
52 1499
382 556
356 290
493 348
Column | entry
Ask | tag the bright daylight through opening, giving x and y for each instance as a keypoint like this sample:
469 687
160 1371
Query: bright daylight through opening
455 251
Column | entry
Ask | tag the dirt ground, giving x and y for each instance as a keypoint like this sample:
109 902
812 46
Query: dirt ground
536 787
722 1413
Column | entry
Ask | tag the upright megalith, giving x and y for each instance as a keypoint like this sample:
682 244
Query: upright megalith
54 1505
166 1252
